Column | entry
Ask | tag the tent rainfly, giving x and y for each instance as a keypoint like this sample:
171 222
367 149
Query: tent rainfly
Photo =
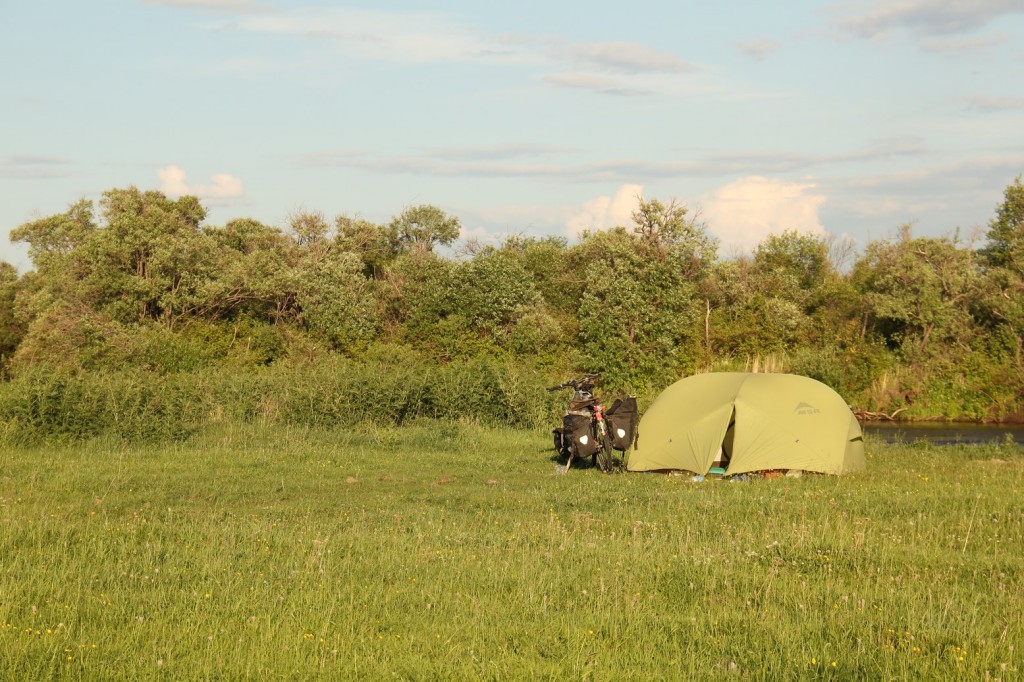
748 422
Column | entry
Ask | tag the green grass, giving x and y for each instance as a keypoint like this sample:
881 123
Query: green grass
447 551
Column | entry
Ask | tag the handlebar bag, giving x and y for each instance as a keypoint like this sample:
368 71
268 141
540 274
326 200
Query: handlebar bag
621 418
581 400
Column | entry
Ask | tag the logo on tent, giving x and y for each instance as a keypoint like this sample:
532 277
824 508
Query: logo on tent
806 408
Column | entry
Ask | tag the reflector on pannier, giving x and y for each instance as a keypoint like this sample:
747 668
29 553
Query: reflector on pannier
621 418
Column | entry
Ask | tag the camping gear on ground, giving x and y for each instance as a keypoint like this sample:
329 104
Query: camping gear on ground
588 431
739 422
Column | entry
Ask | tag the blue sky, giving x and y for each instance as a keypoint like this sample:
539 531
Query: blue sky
531 118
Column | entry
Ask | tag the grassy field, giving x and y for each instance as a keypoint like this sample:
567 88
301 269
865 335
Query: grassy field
441 551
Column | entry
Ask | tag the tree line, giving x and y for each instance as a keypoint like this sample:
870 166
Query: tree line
932 327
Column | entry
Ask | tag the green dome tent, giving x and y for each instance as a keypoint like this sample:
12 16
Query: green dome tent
748 422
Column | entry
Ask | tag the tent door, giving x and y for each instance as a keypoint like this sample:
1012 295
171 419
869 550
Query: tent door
725 449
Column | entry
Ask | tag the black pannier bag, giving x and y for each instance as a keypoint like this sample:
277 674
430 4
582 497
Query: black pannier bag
561 446
621 418
577 429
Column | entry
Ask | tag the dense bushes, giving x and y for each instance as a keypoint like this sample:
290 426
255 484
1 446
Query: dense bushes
45 406
316 324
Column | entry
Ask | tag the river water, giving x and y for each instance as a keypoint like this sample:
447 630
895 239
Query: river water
943 433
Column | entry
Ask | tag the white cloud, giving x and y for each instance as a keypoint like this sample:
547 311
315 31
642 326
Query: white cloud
988 104
480 235
35 167
924 18
957 46
499 152
174 182
435 36
742 213
595 83
605 212
432 37
213 6
622 57
379 35
762 47
537 220
542 162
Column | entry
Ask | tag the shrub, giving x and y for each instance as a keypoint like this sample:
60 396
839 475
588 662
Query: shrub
47 406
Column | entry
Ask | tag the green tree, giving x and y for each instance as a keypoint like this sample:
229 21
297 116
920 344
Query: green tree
546 263
50 240
492 291
638 316
1006 231
1001 303
918 291
53 245
415 295
802 258
670 233
68 335
336 301
751 312
425 226
1000 308
12 329
308 228
255 272
376 245
147 262
151 260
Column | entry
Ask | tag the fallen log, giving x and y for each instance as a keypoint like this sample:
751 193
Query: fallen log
865 415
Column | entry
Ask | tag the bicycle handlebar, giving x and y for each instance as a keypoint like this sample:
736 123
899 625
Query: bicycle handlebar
576 384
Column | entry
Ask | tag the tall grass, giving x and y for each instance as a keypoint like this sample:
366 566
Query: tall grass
138 406
452 551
